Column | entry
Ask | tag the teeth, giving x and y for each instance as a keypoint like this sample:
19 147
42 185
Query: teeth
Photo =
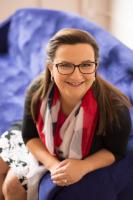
74 83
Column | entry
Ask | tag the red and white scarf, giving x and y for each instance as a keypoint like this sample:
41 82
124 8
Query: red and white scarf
74 138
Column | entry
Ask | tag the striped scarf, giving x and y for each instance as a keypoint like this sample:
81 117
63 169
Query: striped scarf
74 138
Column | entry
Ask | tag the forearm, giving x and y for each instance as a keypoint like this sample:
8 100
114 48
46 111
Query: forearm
97 160
40 152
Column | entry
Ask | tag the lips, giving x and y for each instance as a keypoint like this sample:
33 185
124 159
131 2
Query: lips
74 84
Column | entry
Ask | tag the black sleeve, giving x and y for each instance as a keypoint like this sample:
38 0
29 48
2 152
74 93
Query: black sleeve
117 136
29 129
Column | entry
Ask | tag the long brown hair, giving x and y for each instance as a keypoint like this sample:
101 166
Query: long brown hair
105 93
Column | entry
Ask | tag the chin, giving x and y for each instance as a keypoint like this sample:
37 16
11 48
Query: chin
75 95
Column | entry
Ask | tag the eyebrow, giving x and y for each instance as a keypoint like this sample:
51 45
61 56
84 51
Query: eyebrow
65 61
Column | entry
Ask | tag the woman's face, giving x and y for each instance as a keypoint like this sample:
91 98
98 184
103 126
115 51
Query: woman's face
73 86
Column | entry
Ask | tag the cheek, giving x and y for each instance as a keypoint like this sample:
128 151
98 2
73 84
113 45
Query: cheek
90 80
90 77
58 80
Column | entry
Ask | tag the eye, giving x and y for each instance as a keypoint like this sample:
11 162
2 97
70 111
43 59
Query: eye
86 64
65 65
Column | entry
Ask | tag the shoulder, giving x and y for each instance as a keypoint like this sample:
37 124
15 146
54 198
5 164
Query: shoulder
123 112
35 84
31 92
123 124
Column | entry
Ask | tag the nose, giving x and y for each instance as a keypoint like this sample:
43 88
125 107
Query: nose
76 74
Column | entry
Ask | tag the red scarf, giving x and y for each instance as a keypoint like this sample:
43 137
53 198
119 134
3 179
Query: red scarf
74 138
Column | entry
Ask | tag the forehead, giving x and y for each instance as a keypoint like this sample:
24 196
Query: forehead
76 52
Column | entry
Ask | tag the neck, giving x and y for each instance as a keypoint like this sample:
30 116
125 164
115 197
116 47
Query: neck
67 106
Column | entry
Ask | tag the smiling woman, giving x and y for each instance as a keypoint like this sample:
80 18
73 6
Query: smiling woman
73 68
74 121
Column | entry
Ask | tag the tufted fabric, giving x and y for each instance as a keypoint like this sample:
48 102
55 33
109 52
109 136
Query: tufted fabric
4 27
23 38
109 183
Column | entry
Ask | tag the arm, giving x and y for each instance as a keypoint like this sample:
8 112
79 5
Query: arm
114 143
98 160
34 144
32 140
40 152
117 136
69 169
114 148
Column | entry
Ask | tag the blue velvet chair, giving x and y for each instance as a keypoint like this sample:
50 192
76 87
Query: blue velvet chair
23 37
110 183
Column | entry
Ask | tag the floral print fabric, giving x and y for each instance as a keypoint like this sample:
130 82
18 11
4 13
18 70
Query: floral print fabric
14 152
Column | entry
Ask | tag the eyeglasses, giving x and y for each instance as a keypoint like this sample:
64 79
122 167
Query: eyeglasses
84 68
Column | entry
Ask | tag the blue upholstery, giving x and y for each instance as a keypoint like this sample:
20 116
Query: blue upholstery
109 183
23 38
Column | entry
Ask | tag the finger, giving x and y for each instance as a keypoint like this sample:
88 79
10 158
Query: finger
62 182
58 171
58 177
62 163
59 183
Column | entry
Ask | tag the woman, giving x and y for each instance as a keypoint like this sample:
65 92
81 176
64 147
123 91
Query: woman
74 121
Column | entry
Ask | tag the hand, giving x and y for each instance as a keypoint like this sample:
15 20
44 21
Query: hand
54 166
67 172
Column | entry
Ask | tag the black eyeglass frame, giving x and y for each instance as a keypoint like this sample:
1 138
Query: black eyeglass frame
91 62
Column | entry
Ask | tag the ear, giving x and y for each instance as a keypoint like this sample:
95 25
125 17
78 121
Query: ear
50 66
97 64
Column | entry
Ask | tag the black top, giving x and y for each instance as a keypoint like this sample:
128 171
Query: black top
115 139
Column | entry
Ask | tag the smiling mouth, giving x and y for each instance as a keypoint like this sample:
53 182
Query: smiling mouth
74 84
